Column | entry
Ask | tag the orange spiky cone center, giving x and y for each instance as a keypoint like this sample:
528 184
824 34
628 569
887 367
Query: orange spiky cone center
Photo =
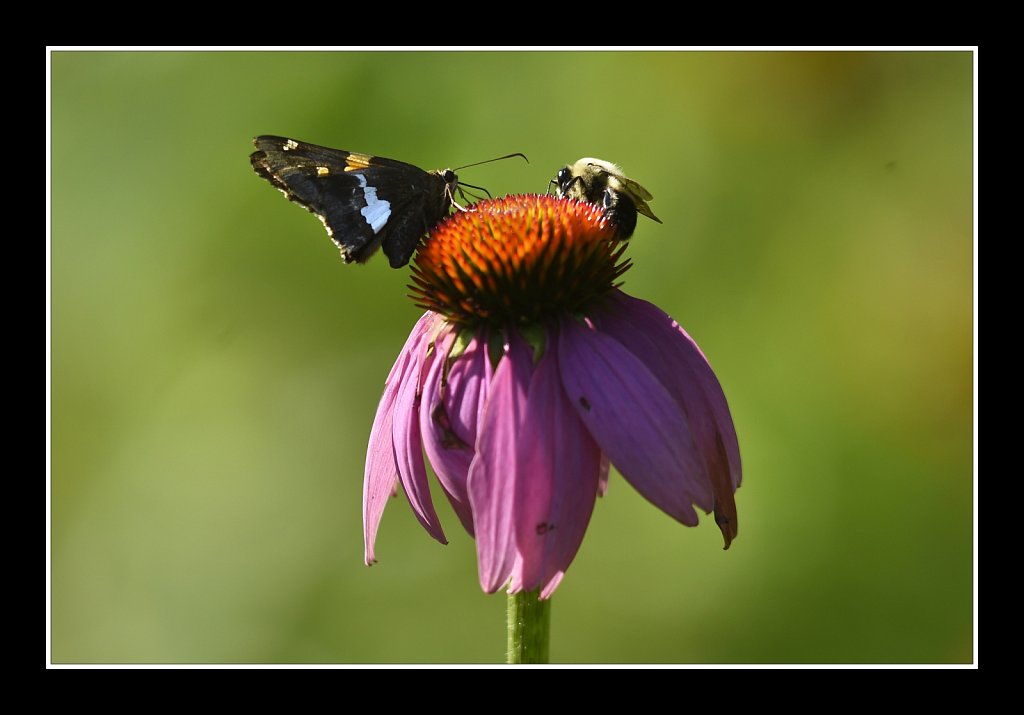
517 260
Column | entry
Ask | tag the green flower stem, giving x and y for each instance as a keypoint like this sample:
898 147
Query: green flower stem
529 628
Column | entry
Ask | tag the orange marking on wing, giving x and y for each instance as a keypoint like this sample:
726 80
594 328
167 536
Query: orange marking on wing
357 161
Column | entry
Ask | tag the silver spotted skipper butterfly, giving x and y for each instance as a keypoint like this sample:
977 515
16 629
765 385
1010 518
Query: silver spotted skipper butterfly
602 183
365 202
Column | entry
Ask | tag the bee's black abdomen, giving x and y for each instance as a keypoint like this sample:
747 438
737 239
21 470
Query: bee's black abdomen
620 211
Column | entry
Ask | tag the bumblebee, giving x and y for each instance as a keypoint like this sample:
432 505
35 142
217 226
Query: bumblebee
603 183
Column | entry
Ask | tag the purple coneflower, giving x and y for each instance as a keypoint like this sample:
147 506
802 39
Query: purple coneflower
528 374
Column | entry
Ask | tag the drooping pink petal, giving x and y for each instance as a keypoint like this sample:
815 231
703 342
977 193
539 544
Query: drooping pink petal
558 470
381 474
634 419
408 445
448 444
468 384
678 348
674 358
491 481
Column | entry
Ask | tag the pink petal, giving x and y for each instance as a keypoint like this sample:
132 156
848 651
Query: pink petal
468 384
408 445
492 473
634 419
677 349
381 474
449 446
558 470
679 364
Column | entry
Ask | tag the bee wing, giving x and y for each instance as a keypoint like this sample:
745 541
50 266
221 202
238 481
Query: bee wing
634 189
640 196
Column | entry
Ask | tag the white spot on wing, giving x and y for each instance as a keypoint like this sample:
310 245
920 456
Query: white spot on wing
377 211
290 144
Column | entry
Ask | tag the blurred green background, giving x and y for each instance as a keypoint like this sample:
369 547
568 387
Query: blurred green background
215 367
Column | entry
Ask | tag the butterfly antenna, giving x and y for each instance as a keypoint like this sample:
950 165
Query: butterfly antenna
466 195
472 186
507 156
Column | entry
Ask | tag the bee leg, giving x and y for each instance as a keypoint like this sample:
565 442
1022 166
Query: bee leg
620 210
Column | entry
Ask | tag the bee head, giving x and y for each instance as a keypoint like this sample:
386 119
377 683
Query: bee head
586 179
